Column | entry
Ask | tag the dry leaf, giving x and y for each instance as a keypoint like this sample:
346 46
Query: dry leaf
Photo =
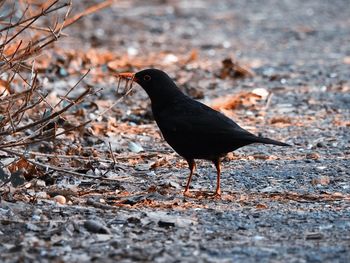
243 99
322 180
160 162
4 88
313 156
281 120
233 69
261 206
28 169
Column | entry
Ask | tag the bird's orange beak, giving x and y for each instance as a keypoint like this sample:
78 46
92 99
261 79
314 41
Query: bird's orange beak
127 76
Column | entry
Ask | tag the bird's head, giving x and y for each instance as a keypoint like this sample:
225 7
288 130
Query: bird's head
158 85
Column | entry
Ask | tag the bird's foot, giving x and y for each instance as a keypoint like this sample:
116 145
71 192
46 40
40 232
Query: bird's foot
187 193
217 194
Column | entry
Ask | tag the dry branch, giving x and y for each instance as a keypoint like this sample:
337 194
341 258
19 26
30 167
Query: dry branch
26 117
62 170
88 11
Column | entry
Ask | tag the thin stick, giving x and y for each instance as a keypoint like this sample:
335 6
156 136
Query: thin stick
88 11
115 103
72 88
53 115
62 170
33 27
17 48
23 109
8 30
24 28
268 101
48 117
83 158
111 153
42 13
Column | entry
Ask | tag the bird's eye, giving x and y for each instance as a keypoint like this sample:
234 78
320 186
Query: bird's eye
147 78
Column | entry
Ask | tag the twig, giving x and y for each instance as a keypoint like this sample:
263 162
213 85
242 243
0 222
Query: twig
111 153
15 96
11 121
5 182
68 130
8 30
59 169
89 201
88 11
71 89
115 103
17 48
22 109
34 18
53 115
32 48
91 158
268 101
44 12
33 27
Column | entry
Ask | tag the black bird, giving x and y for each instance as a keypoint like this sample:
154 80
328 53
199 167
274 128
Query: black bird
192 129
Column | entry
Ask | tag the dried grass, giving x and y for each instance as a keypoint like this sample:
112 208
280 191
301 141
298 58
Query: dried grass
27 29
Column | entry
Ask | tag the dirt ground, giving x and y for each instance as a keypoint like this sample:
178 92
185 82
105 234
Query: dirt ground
279 204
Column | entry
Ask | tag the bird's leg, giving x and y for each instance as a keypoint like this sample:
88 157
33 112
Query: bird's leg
218 172
192 166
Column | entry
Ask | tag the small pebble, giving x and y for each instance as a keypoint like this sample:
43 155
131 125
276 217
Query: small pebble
42 195
60 199
313 156
314 236
135 147
40 183
258 238
320 145
322 180
96 227
165 224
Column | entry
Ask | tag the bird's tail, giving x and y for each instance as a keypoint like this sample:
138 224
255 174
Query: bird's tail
269 141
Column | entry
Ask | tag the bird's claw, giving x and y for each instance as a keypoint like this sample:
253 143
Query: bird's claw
217 194
187 193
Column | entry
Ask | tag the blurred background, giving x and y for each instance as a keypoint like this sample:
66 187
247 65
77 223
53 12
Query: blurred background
85 174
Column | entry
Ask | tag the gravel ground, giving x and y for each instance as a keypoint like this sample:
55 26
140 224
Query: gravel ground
279 204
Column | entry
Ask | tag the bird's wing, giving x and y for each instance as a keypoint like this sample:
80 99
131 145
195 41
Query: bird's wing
193 117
